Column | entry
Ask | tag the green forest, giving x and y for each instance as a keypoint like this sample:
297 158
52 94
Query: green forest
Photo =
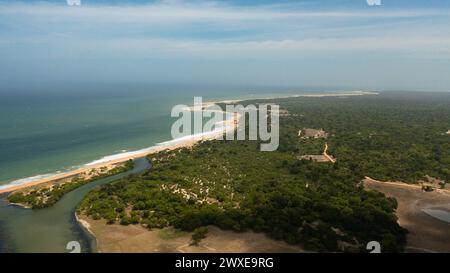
321 206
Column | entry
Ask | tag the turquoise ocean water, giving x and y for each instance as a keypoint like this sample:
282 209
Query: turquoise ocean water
52 130
48 131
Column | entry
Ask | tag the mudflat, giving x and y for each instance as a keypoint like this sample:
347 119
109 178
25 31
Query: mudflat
426 233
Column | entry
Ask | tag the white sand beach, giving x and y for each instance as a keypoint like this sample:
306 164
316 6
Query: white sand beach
230 123
110 161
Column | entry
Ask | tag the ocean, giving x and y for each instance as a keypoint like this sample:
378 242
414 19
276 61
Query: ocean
48 131
55 130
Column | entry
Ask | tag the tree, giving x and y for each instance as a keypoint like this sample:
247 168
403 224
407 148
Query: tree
198 235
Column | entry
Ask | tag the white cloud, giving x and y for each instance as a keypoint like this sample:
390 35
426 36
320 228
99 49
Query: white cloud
114 31
177 12
282 47
412 47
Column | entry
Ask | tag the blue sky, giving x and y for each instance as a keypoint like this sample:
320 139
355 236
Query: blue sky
338 43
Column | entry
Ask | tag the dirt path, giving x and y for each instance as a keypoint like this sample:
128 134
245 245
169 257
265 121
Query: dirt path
330 158
406 185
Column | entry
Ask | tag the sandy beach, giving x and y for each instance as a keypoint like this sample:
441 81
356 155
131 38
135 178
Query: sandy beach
110 161
85 169
229 124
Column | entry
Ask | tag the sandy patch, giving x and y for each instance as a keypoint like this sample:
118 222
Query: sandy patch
135 238
426 233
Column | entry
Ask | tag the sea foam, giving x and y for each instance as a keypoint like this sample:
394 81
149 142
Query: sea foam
219 127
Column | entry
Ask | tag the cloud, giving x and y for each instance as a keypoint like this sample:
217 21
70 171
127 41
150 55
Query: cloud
209 27
172 34
288 50
168 12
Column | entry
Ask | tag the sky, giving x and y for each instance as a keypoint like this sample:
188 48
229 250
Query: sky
347 44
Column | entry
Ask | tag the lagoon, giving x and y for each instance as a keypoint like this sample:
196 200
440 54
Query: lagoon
49 230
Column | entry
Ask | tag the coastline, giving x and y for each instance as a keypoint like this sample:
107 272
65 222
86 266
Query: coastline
184 142
108 161
86 227
20 205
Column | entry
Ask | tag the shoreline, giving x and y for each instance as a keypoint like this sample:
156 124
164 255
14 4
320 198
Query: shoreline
20 205
426 233
184 142
87 228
